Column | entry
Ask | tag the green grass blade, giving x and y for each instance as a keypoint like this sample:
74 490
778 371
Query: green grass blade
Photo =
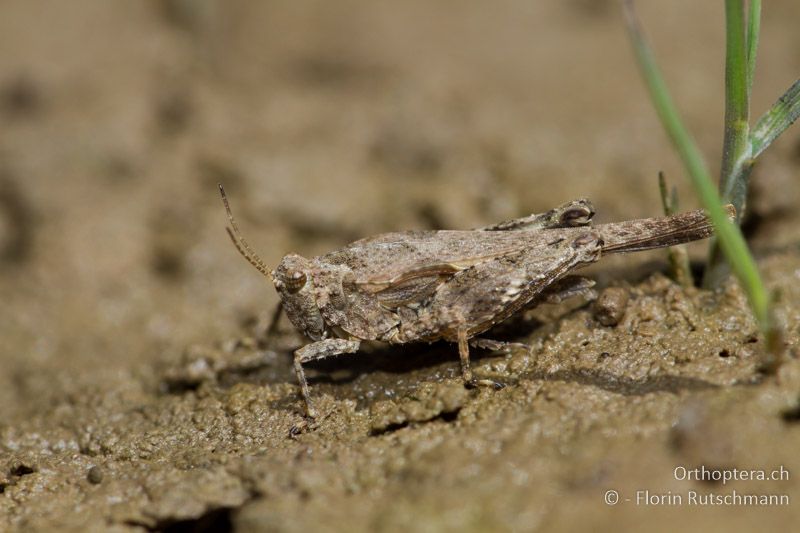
753 29
776 120
729 235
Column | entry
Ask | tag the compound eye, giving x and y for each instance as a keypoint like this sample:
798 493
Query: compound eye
577 216
295 280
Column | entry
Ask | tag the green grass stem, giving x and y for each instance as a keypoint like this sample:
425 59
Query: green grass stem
753 29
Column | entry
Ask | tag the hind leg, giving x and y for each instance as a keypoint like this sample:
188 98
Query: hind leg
567 287
497 346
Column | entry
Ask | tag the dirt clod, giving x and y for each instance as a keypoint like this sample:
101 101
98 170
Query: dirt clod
609 308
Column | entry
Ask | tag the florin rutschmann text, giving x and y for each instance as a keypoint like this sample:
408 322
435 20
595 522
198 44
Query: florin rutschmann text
693 497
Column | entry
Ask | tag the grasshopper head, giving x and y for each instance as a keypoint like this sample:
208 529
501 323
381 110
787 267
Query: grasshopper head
293 279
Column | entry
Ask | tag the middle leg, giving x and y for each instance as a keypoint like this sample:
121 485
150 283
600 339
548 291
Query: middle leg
466 371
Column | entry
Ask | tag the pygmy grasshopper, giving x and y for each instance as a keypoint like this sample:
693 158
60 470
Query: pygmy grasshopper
422 286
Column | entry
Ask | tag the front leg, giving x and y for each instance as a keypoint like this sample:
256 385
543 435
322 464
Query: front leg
272 327
319 350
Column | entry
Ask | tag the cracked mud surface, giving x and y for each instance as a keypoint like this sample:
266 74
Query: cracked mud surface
137 389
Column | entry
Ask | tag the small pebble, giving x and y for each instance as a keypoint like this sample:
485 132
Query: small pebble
610 306
95 475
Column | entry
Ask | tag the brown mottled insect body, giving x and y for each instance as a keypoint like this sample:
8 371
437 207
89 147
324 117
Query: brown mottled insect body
422 286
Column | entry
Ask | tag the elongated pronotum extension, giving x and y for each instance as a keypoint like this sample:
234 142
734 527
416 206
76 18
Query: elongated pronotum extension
649 233
240 242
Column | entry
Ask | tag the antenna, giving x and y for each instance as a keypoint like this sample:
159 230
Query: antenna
238 240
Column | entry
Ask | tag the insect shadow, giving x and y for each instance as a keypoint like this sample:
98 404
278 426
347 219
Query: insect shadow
624 385
386 372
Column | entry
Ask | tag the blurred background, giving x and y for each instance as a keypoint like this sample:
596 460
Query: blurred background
326 122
